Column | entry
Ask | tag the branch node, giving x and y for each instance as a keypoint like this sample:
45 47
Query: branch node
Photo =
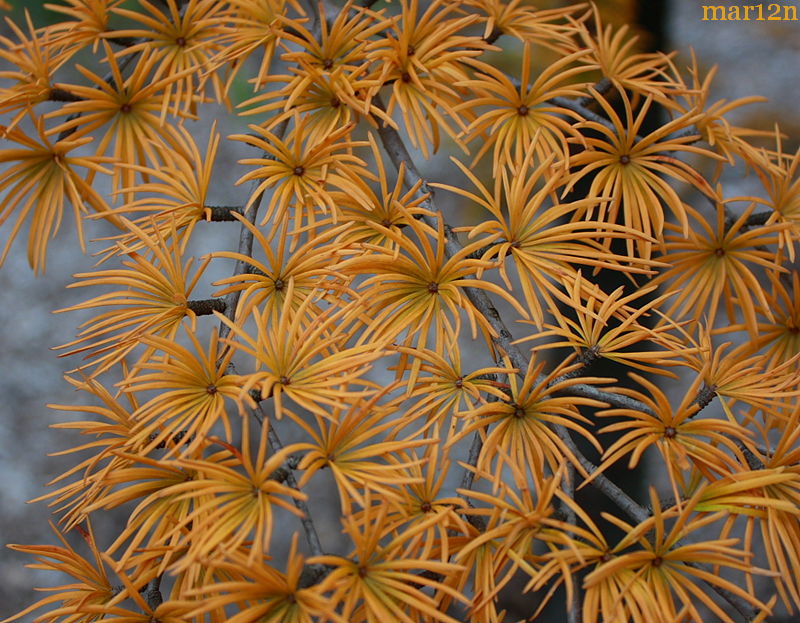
223 214
206 307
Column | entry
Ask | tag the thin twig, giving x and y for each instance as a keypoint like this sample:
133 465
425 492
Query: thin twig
58 94
576 106
108 79
602 483
756 219
602 86
314 544
206 307
245 247
152 593
224 214
472 459
568 487
469 478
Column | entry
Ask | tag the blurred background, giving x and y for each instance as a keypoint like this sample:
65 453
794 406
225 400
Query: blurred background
754 58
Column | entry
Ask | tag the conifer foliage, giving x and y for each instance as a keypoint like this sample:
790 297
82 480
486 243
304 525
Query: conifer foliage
356 307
